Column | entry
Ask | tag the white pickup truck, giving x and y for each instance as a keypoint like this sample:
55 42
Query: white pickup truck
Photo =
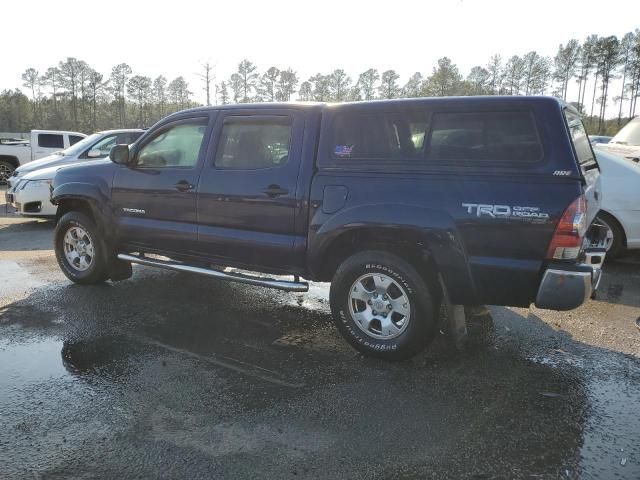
42 143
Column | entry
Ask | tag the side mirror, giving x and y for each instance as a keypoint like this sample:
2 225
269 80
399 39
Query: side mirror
94 154
120 154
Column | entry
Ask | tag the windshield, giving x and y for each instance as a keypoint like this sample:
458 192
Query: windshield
82 145
630 134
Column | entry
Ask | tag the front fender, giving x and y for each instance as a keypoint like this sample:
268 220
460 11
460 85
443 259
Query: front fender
80 191
433 229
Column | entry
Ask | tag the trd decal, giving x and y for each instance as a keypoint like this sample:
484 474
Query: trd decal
505 211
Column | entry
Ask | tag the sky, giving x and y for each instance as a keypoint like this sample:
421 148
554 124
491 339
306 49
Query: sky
175 38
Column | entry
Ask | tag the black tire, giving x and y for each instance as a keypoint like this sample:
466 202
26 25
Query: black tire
97 269
422 323
6 170
617 246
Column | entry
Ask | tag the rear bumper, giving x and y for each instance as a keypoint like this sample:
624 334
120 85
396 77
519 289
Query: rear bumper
568 287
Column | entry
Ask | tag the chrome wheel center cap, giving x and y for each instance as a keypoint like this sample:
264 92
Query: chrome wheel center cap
379 305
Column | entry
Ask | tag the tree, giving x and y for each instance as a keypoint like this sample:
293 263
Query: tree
179 93
413 87
268 83
249 77
286 86
609 60
160 94
223 92
494 67
320 87
207 77
541 76
70 71
514 72
52 79
532 63
565 63
338 85
634 76
586 63
31 80
96 87
444 80
306 92
626 55
389 84
118 84
15 111
139 89
367 83
236 85
478 81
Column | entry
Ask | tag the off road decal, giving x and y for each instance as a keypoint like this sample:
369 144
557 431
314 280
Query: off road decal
515 212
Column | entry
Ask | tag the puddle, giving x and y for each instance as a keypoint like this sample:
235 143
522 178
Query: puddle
15 279
23 364
317 298
610 445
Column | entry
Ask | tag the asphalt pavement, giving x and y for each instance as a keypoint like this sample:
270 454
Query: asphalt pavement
168 375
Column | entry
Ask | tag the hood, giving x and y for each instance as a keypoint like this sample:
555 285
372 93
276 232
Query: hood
42 173
49 161
629 152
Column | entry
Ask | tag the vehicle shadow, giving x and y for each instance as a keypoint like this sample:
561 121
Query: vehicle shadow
520 405
33 234
621 281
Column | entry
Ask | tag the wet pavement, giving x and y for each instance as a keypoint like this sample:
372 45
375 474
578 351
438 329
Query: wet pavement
168 375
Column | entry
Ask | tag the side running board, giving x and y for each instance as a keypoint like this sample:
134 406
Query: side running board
295 286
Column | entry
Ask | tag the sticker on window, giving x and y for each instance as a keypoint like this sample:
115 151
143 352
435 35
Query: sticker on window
343 150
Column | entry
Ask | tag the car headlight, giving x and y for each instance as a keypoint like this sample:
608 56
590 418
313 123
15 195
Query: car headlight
37 184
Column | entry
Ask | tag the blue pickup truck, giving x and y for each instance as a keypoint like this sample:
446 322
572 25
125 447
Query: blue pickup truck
405 206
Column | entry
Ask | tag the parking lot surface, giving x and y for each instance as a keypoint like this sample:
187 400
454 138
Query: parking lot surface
168 375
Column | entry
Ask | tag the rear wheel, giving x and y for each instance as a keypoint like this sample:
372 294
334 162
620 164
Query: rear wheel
382 306
615 235
6 170
79 249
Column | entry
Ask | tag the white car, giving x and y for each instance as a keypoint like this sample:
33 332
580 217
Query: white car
41 144
626 142
620 207
29 190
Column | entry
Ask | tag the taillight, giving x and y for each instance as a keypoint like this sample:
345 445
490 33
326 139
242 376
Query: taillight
567 239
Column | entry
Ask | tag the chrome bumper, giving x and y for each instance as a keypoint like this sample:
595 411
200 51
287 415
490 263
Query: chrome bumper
566 288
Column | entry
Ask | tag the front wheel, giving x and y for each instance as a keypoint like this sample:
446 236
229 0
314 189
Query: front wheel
79 249
382 306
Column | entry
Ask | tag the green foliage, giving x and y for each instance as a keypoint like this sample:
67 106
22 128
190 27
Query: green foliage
72 95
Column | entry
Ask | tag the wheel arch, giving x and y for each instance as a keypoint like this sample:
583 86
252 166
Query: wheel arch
10 159
611 217
423 236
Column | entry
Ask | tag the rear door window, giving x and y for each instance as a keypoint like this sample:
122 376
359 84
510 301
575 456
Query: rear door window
50 140
484 137
253 143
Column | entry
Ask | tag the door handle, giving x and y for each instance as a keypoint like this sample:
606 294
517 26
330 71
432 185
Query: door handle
275 191
183 186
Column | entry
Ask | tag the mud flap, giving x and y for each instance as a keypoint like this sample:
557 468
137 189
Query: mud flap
453 322
116 268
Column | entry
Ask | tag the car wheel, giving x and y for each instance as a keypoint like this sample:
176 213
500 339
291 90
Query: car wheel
6 170
382 306
79 249
615 236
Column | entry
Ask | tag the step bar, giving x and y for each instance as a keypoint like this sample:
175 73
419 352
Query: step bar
288 286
